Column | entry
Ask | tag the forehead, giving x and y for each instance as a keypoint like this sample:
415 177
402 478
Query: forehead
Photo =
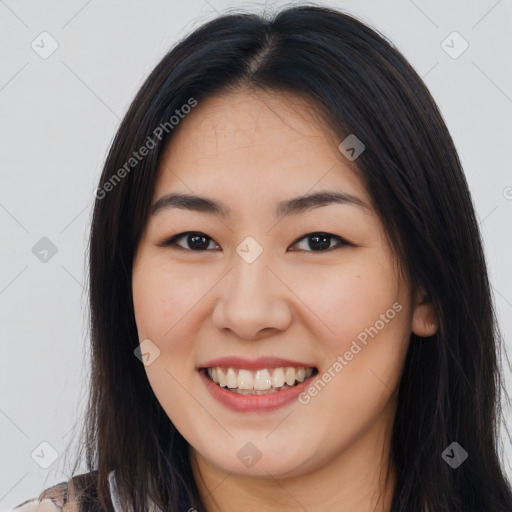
247 146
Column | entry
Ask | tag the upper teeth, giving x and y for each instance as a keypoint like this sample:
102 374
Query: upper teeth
260 379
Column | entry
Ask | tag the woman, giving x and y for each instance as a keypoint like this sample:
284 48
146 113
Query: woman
290 306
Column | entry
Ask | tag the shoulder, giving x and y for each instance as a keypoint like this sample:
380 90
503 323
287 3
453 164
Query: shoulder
61 497
51 499
34 505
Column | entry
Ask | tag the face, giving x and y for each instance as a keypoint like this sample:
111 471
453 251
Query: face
304 299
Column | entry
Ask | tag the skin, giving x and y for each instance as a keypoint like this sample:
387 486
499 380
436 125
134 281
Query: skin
250 150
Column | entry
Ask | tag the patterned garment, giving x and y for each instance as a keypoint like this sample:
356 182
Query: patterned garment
55 496
54 501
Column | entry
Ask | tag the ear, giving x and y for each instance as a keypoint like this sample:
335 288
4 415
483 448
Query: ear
424 319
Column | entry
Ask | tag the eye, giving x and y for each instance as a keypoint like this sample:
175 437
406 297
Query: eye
320 242
194 241
197 241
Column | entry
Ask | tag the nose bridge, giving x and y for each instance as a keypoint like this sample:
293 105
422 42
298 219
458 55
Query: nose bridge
250 280
250 271
252 298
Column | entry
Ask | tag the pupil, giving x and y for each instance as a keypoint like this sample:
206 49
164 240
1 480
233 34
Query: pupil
194 239
323 245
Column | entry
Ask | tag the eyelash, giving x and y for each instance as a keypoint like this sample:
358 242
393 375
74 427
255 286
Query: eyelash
171 242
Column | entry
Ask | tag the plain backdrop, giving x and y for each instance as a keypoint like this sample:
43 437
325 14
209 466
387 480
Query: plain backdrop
58 115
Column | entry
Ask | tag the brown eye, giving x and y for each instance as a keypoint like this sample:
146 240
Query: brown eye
200 242
320 242
193 241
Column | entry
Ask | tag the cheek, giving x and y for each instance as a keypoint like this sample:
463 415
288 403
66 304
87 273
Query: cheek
368 315
350 298
165 299
162 296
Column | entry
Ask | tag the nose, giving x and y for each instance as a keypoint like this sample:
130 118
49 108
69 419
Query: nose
253 302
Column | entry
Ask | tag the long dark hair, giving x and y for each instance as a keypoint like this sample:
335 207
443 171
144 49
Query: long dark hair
360 84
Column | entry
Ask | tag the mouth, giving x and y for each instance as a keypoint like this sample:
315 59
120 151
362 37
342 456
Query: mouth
262 381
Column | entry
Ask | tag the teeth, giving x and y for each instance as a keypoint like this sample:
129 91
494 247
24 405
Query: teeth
259 382
221 377
289 375
245 379
262 380
231 380
278 378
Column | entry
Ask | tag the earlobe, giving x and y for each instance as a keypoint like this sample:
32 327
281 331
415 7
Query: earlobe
424 318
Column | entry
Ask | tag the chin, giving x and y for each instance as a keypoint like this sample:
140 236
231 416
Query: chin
260 458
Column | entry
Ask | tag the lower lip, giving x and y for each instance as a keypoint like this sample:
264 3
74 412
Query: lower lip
253 403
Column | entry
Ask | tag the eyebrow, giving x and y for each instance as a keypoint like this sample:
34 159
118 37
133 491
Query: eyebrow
292 206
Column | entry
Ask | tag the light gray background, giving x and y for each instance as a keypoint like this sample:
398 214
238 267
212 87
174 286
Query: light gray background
58 117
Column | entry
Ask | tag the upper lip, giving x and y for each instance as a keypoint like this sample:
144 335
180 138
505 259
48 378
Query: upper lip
254 364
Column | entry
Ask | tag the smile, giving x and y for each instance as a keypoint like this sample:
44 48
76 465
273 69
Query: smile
256 385
259 382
